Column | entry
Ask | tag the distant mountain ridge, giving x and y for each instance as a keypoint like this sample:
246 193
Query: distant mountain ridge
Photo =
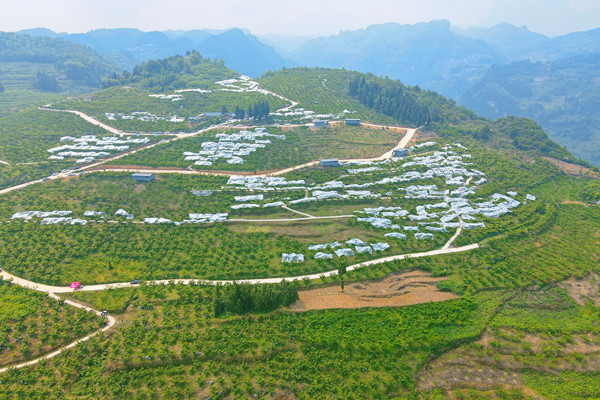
129 47
562 95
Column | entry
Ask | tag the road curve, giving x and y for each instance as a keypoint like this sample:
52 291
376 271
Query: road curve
94 288
52 290
111 322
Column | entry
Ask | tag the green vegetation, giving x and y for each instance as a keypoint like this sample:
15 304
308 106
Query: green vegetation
61 254
301 145
238 341
549 249
26 136
570 384
128 100
322 90
407 105
18 79
32 324
171 347
245 298
75 61
176 72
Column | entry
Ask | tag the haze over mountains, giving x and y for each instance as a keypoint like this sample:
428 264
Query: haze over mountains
497 71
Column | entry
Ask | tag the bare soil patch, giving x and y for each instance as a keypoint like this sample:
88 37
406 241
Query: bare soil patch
573 169
396 290
584 290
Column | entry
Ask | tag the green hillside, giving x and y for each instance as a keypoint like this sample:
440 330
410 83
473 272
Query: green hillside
35 70
467 268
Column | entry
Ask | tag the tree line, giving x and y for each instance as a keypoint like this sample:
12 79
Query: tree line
175 72
244 298
394 100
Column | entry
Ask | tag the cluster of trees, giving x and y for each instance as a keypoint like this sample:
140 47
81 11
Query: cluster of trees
527 135
46 83
245 298
175 72
259 110
394 100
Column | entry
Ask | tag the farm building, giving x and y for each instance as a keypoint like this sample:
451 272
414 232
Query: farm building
353 122
141 177
400 153
212 114
321 123
330 162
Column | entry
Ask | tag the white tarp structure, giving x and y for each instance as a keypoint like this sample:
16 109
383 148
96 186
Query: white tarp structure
27 215
62 221
253 197
197 217
356 242
90 146
231 147
344 252
98 214
380 246
292 258
364 249
274 204
395 235
421 236
323 246
157 221
321 255
245 205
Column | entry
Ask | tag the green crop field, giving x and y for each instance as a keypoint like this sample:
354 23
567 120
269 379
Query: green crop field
300 145
32 324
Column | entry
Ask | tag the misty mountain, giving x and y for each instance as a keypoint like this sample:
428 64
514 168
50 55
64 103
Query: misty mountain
129 47
429 54
563 96
508 41
242 52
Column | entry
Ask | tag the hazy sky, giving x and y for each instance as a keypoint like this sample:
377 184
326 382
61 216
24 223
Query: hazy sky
302 17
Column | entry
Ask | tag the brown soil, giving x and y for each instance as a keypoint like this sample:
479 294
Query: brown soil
573 169
422 136
134 167
584 290
396 290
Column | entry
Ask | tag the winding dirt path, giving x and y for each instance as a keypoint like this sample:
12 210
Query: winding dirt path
53 290
111 322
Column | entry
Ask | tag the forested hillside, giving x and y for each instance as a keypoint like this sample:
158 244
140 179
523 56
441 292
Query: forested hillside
176 72
75 62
